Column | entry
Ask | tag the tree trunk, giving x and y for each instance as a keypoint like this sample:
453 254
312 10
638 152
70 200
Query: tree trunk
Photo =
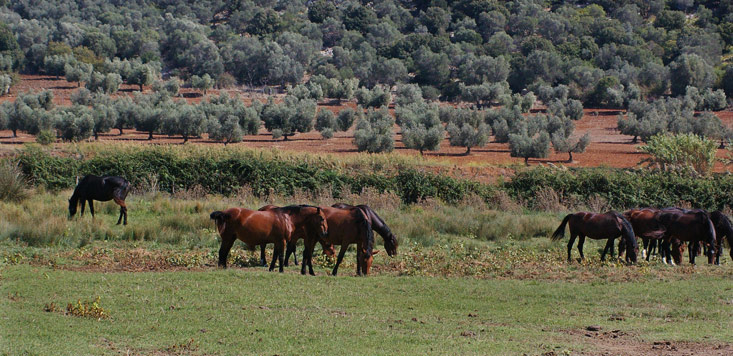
141 88
722 144
421 152
78 84
185 138
285 137
150 135
15 133
526 161
468 151
635 140
96 136
570 156
119 128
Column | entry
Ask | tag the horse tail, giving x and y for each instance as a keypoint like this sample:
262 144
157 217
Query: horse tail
365 223
627 231
726 228
560 232
124 188
219 216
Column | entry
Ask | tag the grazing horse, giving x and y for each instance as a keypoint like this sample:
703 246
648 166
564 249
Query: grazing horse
723 227
686 225
275 226
104 188
645 226
378 225
327 249
345 227
598 227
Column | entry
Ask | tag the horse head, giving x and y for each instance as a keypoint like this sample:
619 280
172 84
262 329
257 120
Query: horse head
390 245
73 204
319 224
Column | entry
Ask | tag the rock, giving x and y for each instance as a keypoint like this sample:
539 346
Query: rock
593 328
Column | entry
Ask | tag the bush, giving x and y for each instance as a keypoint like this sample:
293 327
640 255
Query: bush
374 133
46 137
346 118
12 183
326 123
685 152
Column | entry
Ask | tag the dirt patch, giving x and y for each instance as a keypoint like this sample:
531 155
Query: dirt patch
618 342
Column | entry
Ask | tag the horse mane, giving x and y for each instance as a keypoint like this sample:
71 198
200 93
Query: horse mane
627 231
294 209
723 222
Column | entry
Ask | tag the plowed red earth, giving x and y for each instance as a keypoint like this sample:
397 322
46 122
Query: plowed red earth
608 147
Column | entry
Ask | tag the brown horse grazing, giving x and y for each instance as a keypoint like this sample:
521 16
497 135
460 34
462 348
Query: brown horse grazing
104 188
646 227
598 227
275 226
687 225
378 225
327 249
345 227
723 227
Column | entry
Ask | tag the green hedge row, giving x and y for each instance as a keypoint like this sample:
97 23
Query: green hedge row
226 173
626 188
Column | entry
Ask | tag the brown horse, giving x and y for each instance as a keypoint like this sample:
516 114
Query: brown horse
723 227
687 225
275 226
104 188
378 225
646 227
606 226
327 249
345 227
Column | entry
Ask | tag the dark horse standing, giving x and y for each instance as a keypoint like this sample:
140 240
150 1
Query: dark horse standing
723 227
598 227
105 188
679 225
378 225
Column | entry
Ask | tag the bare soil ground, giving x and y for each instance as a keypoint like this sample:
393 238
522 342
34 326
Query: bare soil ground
617 342
608 147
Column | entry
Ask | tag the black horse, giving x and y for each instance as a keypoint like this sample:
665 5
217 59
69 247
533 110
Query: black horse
378 225
105 188
723 227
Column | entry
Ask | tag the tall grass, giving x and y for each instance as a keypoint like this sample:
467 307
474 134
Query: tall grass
13 186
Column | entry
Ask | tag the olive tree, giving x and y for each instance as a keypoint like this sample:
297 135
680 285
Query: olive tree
373 133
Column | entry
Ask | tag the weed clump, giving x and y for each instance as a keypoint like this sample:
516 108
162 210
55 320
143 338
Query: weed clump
86 309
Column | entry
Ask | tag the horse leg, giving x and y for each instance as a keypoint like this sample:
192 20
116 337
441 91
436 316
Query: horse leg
226 245
581 241
123 209
263 260
281 256
307 259
358 260
91 207
275 252
291 251
609 245
570 246
83 205
693 252
340 257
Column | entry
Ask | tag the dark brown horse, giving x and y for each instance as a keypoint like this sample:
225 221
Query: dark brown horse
723 227
606 226
378 225
345 227
105 188
290 250
275 226
687 226
645 227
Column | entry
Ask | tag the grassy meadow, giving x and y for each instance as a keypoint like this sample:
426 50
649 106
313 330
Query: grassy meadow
467 280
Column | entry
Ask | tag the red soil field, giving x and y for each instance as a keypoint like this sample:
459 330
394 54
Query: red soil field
607 148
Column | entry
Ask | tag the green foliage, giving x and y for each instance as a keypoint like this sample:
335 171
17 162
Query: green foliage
107 84
203 83
326 123
291 116
377 97
683 152
74 123
13 185
346 119
46 137
373 133
526 146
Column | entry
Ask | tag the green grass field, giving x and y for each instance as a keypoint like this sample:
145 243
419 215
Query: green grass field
467 280
249 311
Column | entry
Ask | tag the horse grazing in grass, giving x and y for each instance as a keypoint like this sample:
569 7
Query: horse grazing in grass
345 227
327 249
687 226
378 225
276 226
723 227
104 188
598 227
645 226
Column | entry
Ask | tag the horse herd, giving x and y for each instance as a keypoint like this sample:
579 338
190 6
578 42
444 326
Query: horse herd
670 228
343 224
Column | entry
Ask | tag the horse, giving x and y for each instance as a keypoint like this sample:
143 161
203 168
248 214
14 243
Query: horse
345 227
687 225
104 188
599 227
290 250
723 227
378 225
645 226
275 226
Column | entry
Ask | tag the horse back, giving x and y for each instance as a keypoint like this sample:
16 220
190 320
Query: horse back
595 226
344 225
255 227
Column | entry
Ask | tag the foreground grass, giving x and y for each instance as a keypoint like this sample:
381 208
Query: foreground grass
253 312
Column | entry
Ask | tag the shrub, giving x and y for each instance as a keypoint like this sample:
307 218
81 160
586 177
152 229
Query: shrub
12 183
374 133
681 152
326 123
346 118
46 137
